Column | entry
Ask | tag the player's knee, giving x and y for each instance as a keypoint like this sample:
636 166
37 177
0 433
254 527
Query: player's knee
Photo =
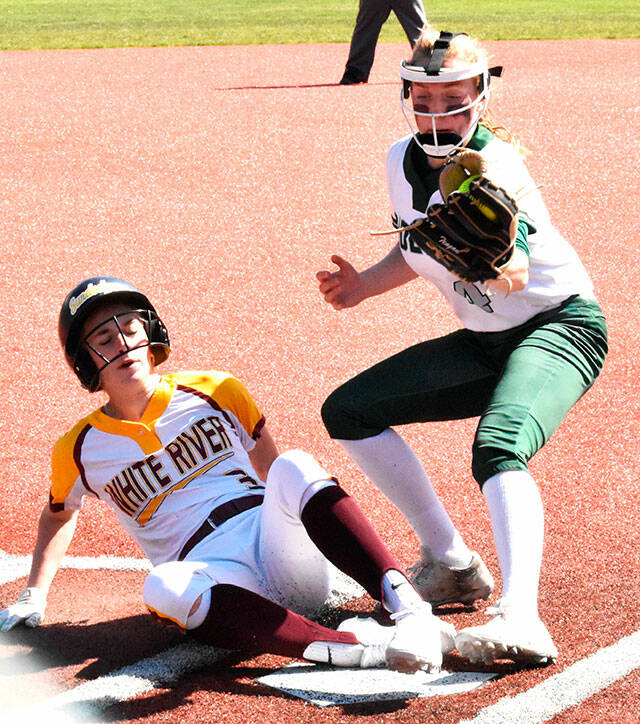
488 460
294 477
177 593
343 418
332 412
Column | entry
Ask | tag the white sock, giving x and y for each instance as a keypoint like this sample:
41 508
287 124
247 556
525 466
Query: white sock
517 520
397 592
393 468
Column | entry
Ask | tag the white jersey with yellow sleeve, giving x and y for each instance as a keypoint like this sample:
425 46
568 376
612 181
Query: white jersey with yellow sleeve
164 474
555 271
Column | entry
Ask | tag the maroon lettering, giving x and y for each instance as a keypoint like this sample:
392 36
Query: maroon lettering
177 454
157 468
139 469
118 498
210 435
194 442
220 429
134 485
126 488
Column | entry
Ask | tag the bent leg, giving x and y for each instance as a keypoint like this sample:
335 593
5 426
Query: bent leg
449 378
173 591
307 521
296 573
345 536
544 377
183 593
241 619
441 379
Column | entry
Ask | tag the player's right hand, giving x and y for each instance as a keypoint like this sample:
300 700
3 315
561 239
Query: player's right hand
29 610
342 288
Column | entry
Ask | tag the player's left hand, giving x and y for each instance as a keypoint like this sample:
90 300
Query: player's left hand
28 610
514 276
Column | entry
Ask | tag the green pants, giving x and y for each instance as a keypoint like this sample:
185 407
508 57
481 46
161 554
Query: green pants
521 382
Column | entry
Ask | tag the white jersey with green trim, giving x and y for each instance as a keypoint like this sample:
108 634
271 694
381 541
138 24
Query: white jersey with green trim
164 474
555 271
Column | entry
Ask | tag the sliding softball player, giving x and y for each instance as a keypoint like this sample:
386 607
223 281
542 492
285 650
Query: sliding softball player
240 536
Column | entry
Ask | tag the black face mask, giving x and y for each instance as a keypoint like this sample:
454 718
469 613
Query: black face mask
446 138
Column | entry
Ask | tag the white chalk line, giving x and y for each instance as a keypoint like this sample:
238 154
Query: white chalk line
88 699
570 687
14 567
142 676
556 694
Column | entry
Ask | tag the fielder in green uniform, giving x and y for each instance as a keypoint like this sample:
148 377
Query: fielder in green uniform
531 343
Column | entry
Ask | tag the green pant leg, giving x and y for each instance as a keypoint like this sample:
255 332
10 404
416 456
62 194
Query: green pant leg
544 376
448 378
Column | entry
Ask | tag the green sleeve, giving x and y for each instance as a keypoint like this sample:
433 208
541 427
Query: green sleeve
522 235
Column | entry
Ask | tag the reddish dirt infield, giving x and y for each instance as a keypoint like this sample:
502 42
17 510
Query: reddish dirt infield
219 180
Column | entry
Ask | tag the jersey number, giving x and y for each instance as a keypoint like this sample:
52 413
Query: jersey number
473 295
246 480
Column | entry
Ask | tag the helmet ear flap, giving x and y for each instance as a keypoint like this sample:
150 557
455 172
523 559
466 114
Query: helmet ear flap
406 88
158 338
86 370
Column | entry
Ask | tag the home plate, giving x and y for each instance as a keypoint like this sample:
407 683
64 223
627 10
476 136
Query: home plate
324 685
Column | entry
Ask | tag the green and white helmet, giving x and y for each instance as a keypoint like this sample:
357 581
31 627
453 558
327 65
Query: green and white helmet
428 68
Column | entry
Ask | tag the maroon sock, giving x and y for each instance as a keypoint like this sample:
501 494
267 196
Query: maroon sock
342 532
241 619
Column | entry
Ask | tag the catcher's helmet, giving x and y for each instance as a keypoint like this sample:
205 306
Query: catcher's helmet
82 301
428 67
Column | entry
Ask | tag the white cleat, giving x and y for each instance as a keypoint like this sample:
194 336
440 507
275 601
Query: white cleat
440 584
509 635
418 641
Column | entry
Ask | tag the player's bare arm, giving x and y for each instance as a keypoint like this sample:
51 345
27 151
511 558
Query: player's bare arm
347 287
55 531
264 453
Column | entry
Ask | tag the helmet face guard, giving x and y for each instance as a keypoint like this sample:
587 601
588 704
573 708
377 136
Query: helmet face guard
145 316
431 70
82 301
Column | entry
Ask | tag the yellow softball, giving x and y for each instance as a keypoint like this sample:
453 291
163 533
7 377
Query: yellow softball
464 189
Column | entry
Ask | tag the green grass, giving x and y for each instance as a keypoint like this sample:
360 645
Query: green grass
117 23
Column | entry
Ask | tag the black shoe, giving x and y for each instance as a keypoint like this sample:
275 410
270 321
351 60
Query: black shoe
352 77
